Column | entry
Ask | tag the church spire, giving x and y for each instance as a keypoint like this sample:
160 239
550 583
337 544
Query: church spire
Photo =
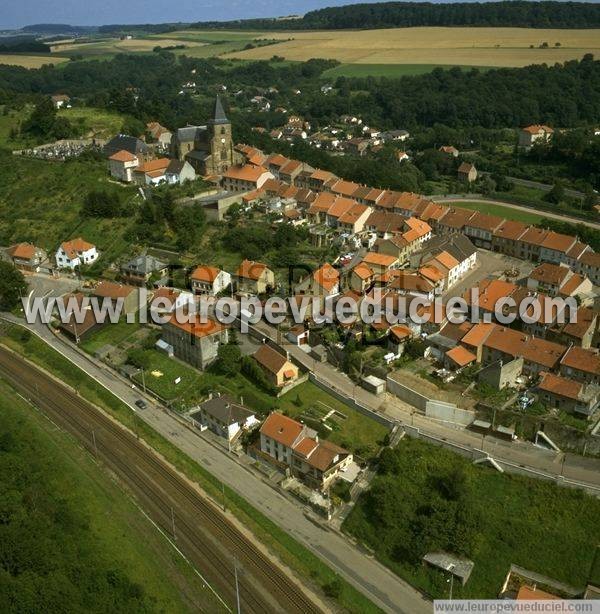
219 116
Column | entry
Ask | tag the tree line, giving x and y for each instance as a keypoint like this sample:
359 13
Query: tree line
515 13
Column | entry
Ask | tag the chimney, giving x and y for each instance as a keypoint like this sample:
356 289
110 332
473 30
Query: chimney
241 400
317 438
287 355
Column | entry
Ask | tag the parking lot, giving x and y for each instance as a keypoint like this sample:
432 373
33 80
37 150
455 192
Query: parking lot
490 265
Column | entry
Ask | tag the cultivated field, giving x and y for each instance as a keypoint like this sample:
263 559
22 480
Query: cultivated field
116 45
30 61
455 46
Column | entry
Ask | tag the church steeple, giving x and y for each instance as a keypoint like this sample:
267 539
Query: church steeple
219 116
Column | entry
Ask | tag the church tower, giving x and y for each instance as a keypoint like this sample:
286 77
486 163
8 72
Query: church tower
220 140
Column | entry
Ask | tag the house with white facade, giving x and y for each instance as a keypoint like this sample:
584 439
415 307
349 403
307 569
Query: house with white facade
209 280
74 253
224 416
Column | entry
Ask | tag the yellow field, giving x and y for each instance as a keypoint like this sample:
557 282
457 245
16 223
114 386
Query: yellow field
30 61
117 45
457 46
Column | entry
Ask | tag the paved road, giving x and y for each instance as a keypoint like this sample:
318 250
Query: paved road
570 466
545 187
554 216
377 582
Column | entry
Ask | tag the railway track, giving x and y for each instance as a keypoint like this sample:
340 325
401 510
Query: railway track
201 531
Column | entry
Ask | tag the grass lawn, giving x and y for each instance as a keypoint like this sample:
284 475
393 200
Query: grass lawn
91 122
387 70
108 334
426 498
161 375
110 533
292 553
507 212
349 428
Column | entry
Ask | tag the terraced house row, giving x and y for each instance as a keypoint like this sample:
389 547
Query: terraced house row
324 199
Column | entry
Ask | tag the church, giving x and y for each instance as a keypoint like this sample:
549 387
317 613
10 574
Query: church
209 149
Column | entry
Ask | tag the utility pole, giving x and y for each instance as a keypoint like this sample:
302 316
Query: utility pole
237 587
143 380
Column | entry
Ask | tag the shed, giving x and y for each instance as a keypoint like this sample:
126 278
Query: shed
459 567
373 384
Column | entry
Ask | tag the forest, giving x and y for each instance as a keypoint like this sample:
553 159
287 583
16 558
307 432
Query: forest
515 13
463 107
565 95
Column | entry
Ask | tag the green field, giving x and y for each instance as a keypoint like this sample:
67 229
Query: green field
41 201
162 372
499 210
387 70
426 498
109 334
72 540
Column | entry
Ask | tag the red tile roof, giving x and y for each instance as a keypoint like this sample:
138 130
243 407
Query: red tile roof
282 429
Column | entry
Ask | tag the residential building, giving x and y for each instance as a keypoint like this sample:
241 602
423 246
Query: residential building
27 257
209 280
277 367
380 263
60 100
581 364
293 446
589 266
159 134
450 150
324 281
480 228
196 342
568 395
224 416
140 269
254 278
536 133
245 178
505 239
459 249
179 171
152 172
505 344
74 253
361 278
548 278
467 172
122 164
128 296
454 220
131 144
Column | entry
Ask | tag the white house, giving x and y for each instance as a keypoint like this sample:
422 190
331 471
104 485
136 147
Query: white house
74 253
122 164
223 416
209 280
